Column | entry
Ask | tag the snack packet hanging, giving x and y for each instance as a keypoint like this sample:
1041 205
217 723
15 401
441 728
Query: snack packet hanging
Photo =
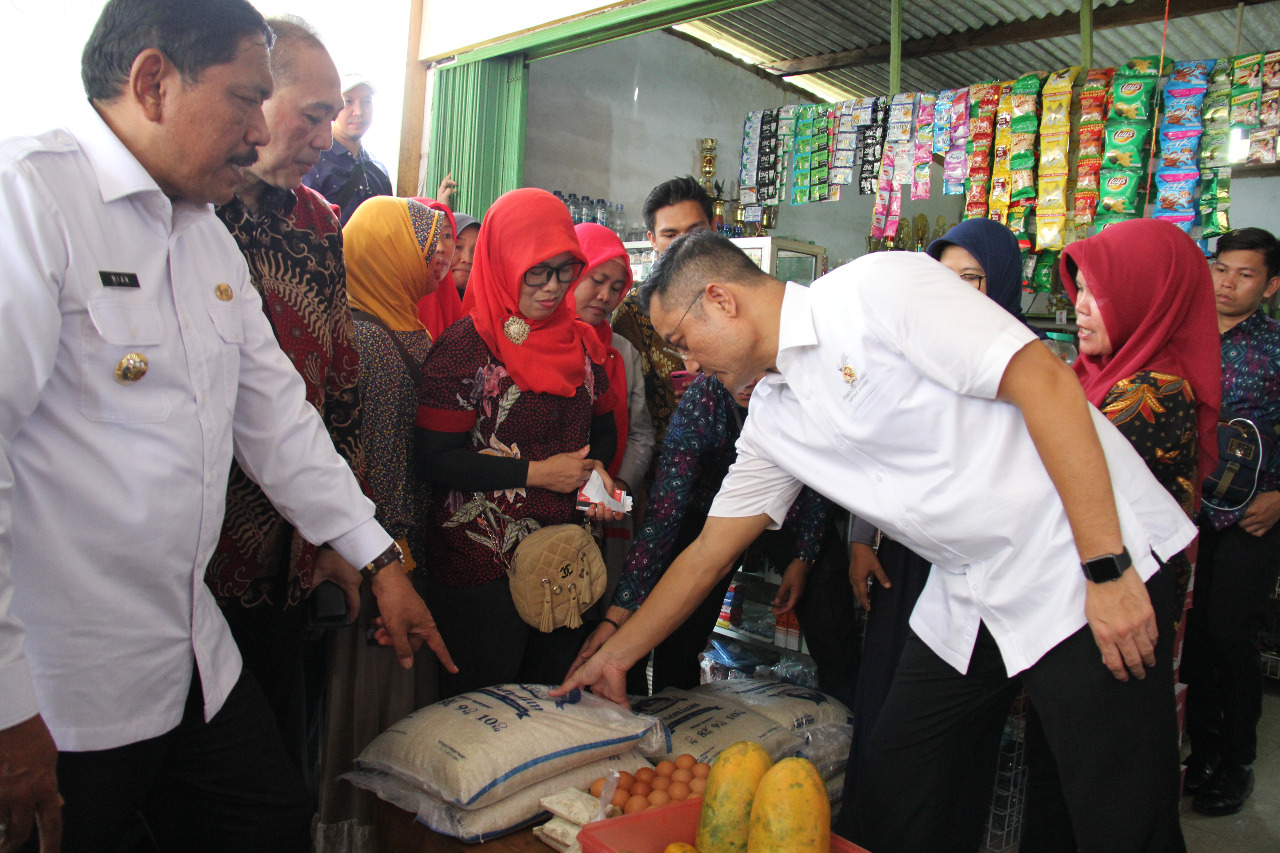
1131 98
1060 82
1176 191
1247 71
1269 111
1182 111
1146 66
1053 194
1042 276
1262 147
1092 137
1245 108
1086 204
1051 233
1190 74
1220 74
1118 192
1125 144
1215 110
1179 151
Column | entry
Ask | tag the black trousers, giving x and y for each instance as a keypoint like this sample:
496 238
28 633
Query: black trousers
225 786
1221 665
491 644
932 759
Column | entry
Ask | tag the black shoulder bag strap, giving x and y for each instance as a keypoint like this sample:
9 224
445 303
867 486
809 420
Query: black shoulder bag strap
412 366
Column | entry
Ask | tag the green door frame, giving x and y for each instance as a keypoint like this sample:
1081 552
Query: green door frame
479 105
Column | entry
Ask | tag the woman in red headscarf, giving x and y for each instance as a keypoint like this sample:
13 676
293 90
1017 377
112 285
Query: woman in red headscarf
515 409
1150 360
596 296
440 309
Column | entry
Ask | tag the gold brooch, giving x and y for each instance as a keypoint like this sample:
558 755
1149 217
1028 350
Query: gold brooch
849 375
516 330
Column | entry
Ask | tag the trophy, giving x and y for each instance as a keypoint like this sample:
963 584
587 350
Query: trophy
921 229
708 163
940 227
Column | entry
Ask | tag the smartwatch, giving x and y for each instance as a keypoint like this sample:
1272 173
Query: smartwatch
1108 567
391 555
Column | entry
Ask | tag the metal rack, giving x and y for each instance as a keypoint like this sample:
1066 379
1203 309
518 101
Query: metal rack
1009 799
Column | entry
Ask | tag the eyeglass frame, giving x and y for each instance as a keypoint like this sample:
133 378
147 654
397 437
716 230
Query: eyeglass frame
672 347
973 278
556 271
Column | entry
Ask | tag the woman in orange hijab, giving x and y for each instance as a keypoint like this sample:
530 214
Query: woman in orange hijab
515 409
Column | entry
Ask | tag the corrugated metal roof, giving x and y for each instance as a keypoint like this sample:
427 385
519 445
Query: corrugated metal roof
793 29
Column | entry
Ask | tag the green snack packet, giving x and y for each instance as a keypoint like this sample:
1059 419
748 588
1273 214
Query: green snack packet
1246 71
1208 190
1018 220
1223 187
1213 148
1132 98
1104 222
1118 191
1124 145
1220 75
1145 66
1216 108
1042 275
1244 107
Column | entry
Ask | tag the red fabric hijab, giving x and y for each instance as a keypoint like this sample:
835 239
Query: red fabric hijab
600 245
522 229
1154 291
441 309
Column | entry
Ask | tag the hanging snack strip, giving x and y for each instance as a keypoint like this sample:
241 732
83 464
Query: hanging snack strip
1215 117
955 165
1126 136
983 100
1178 175
1001 172
872 138
923 156
1093 113
1262 141
1055 143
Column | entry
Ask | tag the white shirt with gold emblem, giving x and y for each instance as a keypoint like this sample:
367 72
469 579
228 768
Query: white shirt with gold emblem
884 402
134 357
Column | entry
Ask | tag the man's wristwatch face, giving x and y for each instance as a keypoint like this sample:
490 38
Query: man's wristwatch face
1108 567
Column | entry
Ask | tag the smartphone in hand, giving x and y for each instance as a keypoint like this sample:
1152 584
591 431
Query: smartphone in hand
680 379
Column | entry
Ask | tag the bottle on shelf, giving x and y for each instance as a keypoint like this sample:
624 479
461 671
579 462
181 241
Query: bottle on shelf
602 213
619 222
1059 343
559 195
575 208
587 213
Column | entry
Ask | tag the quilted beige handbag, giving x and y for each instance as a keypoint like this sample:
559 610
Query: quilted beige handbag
557 572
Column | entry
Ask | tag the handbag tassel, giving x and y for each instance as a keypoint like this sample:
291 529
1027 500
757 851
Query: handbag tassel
574 619
545 624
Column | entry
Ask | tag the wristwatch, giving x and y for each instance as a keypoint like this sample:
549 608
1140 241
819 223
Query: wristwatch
1108 567
391 555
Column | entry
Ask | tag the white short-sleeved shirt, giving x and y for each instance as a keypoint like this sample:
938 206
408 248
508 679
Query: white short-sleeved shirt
112 491
884 402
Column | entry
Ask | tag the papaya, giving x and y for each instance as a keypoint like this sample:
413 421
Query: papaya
726 804
790 812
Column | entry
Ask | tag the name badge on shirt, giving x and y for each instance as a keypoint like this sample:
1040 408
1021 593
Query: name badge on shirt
118 279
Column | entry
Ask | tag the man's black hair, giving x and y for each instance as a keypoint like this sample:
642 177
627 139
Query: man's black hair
672 192
1252 240
693 261
193 34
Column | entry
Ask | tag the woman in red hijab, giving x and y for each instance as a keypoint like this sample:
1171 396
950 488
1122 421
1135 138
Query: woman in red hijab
440 309
1150 360
515 409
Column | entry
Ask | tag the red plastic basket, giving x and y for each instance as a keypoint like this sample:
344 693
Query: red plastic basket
651 830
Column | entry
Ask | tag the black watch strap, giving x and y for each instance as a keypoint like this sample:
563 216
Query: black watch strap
1108 567
386 558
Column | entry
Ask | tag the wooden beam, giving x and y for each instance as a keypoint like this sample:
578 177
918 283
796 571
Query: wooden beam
1086 33
413 109
895 47
1017 32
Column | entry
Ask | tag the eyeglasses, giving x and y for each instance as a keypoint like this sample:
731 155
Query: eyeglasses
680 350
540 275
973 279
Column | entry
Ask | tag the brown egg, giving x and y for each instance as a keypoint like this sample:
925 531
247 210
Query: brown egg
698 786
679 790
596 787
684 762
620 797
645 774
635 804
625 780
681 774
665 768
659 798
701 769
660 783
641 789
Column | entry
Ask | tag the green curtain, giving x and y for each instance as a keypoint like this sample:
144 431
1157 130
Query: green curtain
477 130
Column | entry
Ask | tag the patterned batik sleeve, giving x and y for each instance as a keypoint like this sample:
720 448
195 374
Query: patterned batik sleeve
383 384
341 391
1156 412
808 519
689 435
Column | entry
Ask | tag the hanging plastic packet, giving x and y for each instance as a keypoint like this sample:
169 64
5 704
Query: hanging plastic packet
942 121
1182 111
1059 82
1146 66
920 181
1220 74
1245 108
1086 205
1269 111
1262 147
1042 275
1214 146
1131 98
1246 71
1190 74
1087 178
954 166
1179 151
959 115
1215 110
1119 192
1176 191
1223 187
1092 137
1051 232
1125 145
1053 195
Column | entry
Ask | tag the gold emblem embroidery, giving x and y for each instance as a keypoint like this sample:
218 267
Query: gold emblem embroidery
131 367
516 330
848 374
223 292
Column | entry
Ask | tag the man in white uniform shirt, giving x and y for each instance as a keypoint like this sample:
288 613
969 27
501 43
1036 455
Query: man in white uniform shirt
903 394
137 359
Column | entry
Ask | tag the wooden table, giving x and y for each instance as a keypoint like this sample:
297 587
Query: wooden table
397 831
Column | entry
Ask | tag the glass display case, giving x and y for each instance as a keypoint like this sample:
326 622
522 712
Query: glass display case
789 260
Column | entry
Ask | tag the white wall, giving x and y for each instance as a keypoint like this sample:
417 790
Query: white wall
619 118
1255 202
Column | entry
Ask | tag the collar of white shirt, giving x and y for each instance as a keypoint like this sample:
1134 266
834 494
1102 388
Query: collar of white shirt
795 331
118 172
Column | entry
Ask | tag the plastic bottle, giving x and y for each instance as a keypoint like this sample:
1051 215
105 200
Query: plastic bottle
602 213
587 212
559 195
619 222
1059 343
575 208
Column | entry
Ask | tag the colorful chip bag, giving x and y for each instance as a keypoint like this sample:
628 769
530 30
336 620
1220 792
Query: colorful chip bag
1131 98
1125 144
1176 191
1118 191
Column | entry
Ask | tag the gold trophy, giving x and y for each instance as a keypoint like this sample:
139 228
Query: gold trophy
708 163
940 226
922 231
